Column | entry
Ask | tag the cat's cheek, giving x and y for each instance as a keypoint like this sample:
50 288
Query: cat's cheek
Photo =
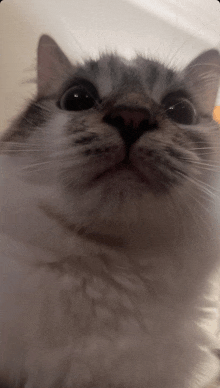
85 168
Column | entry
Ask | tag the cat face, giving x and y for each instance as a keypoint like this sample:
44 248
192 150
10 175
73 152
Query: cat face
112 136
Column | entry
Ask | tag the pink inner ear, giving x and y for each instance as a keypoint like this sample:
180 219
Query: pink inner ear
52 65
46 62
203 76
45 70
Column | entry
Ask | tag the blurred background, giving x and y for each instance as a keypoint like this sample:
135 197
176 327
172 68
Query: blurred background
169 30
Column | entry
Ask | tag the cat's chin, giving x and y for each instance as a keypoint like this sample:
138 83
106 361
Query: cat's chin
114 193
125 172
118 201
121 184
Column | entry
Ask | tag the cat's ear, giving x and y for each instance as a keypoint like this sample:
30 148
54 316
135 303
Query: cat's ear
202 77
52 66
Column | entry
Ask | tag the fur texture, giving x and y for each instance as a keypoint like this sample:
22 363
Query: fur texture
110 227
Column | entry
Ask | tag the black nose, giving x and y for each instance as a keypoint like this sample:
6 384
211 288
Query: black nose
130 122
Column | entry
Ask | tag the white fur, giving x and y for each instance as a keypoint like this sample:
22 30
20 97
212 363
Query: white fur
107 284
137 321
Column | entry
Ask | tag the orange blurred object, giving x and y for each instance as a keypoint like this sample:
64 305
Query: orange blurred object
216 114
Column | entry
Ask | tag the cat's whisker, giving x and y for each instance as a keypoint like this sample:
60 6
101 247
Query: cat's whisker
36 170
194 212
209 168
205 195
201 186
205 148
41 106
203 153
23 144
33 165
27 121
184 204
200 163
22 150
212 168
206 185
201 205
204 144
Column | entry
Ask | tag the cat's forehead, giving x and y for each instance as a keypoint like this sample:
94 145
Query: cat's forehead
111 72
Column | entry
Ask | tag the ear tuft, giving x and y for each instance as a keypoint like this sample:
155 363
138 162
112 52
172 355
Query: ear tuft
52 66
202 77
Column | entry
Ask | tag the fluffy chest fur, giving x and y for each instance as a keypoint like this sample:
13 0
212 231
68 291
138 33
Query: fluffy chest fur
90 319
110 215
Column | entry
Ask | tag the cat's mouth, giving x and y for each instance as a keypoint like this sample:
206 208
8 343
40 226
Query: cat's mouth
125 168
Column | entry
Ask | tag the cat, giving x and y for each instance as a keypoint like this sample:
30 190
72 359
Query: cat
109 235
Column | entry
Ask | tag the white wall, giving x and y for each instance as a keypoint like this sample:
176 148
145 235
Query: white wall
170 30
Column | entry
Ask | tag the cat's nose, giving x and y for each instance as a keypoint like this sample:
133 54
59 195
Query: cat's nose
131 122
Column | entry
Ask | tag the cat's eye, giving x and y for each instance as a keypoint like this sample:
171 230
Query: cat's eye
81 96
179 109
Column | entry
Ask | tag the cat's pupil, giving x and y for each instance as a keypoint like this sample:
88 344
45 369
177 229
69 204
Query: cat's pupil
179 109
77 98
83 96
